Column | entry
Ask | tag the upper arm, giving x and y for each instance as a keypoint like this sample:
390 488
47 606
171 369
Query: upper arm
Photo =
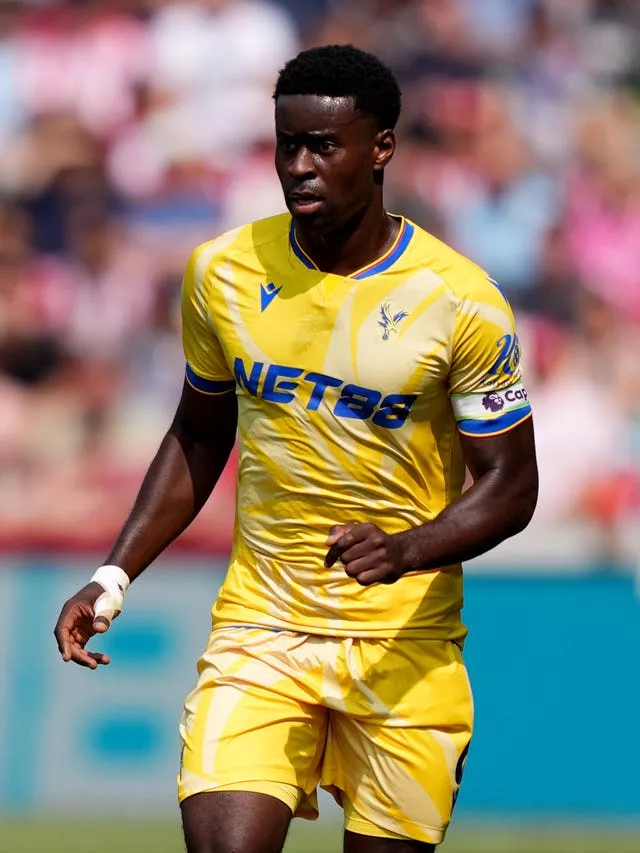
207 370
511 454
206 418
506 467
488 396
486 390
208 408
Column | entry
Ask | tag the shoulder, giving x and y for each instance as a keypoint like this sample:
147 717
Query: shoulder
247 241
469 286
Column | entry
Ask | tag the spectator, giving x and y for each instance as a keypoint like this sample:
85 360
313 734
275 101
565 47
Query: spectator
503 222
603 219
131 131
215 61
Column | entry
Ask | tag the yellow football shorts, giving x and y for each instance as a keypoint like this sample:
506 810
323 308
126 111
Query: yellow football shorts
383 724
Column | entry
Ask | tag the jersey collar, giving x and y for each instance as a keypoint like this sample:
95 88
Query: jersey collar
380 265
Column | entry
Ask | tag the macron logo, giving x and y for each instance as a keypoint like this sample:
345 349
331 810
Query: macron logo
268 293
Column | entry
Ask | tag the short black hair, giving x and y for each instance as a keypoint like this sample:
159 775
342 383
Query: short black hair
344 71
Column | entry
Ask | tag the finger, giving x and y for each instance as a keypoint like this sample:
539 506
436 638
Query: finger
62 638
61 633
377 575
360 550
337 531
357 533
93 660
83 658
88 659
336 551
338 548
371 576
375 560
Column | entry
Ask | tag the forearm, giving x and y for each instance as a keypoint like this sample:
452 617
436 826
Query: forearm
492 510
174 490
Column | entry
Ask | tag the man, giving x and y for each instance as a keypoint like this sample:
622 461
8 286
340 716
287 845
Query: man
367 363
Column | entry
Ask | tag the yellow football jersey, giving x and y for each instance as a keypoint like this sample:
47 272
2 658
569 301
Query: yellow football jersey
351 392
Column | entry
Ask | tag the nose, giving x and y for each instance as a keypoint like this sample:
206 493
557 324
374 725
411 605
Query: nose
301 164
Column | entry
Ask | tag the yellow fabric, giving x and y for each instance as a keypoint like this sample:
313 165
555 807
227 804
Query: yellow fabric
356 823
346 389
382 723
288 794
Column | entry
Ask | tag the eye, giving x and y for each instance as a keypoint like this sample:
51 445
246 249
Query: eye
288 146
325 146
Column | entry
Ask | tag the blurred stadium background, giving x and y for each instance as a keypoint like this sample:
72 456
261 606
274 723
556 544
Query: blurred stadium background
132 130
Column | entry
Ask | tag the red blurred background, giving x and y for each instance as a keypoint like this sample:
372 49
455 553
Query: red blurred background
130 131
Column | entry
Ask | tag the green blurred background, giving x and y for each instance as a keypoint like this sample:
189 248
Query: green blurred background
164 837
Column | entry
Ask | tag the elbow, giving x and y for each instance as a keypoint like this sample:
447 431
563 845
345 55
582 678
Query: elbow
523 505
522 518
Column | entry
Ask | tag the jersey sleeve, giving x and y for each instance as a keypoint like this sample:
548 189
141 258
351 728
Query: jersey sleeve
207 370
485 378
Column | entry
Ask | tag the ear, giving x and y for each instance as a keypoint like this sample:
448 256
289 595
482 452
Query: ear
384 149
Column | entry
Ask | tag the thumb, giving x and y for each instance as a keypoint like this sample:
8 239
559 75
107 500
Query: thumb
105 609
101 624
337 531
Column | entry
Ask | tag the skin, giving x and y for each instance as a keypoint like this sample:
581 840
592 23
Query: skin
234 822
181 477
330 161
498 505
328 150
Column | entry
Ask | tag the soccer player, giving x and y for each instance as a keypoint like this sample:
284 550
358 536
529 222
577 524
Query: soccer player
364 364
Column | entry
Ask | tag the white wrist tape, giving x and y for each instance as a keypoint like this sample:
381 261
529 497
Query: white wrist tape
115 583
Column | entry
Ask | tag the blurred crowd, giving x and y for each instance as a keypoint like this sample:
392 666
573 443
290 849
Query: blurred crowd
132 130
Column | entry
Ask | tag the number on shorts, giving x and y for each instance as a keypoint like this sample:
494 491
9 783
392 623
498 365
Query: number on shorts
459 771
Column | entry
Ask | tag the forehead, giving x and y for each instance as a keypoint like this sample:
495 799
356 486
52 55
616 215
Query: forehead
316 113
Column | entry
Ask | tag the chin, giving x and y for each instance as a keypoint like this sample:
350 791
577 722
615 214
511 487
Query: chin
319 220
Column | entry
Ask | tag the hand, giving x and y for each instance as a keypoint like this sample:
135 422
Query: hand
76 625
368 553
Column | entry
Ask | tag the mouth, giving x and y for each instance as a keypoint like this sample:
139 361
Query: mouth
303 203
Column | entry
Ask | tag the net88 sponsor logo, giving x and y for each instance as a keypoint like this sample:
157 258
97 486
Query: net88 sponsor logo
279 383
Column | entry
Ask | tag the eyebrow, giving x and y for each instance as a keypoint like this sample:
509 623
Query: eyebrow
313 134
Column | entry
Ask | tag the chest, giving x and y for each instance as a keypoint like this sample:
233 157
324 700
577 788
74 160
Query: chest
390 334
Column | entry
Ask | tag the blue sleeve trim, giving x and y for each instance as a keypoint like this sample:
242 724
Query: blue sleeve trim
496 425
208 386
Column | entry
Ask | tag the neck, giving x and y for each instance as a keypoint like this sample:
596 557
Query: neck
354 245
